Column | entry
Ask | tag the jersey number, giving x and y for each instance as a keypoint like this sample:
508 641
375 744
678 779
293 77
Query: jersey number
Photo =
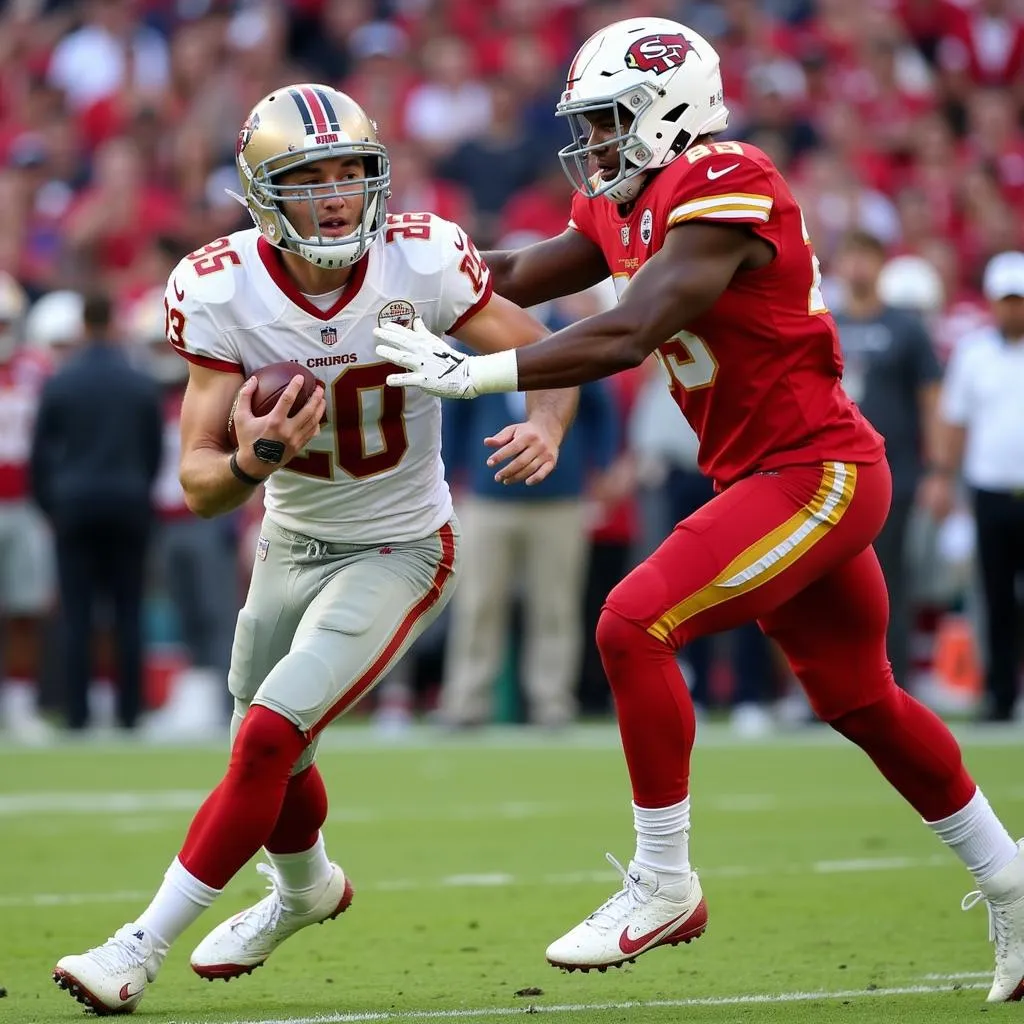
815 300
688 362
369 426
213 257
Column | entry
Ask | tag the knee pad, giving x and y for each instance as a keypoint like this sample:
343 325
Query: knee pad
300 687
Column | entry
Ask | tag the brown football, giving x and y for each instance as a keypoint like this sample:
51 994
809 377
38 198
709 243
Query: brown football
271 380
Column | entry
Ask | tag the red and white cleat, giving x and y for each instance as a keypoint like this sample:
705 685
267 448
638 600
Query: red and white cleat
111 978
242 943
1003 894
640 916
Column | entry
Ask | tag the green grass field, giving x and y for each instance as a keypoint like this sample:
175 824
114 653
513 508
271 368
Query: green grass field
829 900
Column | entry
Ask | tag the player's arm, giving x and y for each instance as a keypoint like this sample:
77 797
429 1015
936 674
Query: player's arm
563 265
679 283
212 485
501 325
532 446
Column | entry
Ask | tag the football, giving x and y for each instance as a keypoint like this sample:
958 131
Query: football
271 380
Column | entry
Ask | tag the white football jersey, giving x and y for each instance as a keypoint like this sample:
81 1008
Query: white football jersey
373 475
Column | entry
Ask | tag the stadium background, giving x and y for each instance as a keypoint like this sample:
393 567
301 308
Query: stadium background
118 122
830 901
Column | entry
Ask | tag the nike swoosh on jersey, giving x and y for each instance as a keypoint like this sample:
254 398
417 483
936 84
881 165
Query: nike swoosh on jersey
629 946
178 293
713 174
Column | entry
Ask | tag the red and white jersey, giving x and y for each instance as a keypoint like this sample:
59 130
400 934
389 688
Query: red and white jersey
21 382
374 474
758 376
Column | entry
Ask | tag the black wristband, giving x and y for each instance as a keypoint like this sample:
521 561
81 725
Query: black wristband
240 474
268 451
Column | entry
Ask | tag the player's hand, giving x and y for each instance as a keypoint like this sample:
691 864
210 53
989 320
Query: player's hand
435 366
937 494
293 432
530 449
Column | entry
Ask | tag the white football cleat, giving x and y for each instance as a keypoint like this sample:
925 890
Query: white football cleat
242 943
111 978
640 916
1003 894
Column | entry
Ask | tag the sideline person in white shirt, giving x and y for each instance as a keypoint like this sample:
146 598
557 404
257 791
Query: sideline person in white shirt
980 434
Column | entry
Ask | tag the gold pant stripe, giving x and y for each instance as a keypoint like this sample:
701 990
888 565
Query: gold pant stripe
766 558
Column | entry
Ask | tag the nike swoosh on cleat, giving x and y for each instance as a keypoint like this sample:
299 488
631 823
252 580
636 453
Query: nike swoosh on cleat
630 946
713 174
125 994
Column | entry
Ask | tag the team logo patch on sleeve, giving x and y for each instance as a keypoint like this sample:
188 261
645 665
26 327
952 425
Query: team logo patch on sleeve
659 53
398 311
329 336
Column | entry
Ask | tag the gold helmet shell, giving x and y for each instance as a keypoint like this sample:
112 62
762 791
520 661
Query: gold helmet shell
298 125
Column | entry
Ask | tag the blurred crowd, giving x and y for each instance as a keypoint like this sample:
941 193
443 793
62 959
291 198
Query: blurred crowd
899 121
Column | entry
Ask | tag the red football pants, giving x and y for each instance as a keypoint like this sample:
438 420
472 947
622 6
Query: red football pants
791 549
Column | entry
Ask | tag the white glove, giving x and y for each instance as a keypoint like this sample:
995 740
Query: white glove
438 368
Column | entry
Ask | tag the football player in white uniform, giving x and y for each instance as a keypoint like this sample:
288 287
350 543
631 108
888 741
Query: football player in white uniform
358 549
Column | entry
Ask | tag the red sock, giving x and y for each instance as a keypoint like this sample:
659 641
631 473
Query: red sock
654 709
303 812
240 814
914 750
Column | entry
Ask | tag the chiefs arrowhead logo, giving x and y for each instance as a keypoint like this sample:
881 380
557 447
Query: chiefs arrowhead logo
245 134
658 53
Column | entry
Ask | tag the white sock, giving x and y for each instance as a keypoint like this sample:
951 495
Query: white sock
304 876
178 902
663 837
977 837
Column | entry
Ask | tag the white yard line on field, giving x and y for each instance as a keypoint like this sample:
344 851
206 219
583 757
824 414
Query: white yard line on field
757 998
501 879
364 739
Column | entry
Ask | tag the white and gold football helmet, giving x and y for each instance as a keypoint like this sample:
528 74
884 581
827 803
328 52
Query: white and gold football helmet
299 125
660 81
13 304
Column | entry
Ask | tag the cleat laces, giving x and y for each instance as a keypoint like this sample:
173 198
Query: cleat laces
262 916
117 955
998 923
621 904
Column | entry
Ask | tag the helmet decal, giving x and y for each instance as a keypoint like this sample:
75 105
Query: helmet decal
245 134
659 53
317 112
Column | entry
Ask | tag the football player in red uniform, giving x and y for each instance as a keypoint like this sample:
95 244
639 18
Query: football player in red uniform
719 282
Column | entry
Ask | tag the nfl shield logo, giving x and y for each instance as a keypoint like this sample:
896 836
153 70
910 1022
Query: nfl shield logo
262 546
329 335
624 235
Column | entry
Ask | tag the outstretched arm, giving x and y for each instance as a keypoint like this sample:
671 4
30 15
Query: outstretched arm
563 265
683 280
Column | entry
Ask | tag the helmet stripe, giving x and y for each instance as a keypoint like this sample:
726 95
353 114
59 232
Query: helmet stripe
328 106
307 119
316 109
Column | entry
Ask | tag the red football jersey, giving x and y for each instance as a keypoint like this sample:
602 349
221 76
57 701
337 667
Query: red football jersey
757 375
21 383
